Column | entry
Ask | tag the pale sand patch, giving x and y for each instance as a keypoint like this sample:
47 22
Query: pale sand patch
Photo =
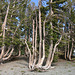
20 67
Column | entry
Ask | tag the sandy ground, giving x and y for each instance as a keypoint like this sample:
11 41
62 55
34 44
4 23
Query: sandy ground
20 67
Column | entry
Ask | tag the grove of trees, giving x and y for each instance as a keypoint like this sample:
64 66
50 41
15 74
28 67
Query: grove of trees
38 32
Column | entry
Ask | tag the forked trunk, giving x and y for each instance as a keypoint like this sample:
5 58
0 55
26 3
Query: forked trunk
33 47
51 46
35 42
30 64
49 56
54 49
43 56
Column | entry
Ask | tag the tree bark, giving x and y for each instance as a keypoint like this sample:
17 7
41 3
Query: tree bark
3 28
65 51
68 51
7 52
71 50
35 42
54 49
19 54
8 55
33 47
40 32
30 63
51 46
43 56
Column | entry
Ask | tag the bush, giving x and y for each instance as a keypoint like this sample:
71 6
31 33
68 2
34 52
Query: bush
55 58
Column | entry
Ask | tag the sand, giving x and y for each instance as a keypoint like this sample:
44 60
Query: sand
20 67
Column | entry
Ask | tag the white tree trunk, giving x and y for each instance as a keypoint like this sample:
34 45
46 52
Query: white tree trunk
51 46
3 28
35 42
54 49
7 52
40 32
8 55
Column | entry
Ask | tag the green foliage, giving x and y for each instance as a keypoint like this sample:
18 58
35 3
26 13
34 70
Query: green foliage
55 59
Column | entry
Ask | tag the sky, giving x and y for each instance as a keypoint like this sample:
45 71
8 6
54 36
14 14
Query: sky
35 1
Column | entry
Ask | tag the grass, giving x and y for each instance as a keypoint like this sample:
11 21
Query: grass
0 70
73 65
68 62
69 70
74 62
11 68
65 67
22 67
15 66
23 71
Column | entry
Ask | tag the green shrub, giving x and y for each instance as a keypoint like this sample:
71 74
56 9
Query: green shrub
55 58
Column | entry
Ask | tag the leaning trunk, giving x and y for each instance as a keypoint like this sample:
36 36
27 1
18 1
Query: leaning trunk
3 28
8 55
51 46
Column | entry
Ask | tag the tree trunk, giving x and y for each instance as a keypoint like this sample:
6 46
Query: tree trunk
19 54
7 52
65 51
30 64
26 52
57 43
35 42
40 32
3 28
8 55
68 51
29 35
51 46
33 46
71 50
55 47
43 56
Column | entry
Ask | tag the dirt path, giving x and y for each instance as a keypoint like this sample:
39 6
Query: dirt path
20 67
